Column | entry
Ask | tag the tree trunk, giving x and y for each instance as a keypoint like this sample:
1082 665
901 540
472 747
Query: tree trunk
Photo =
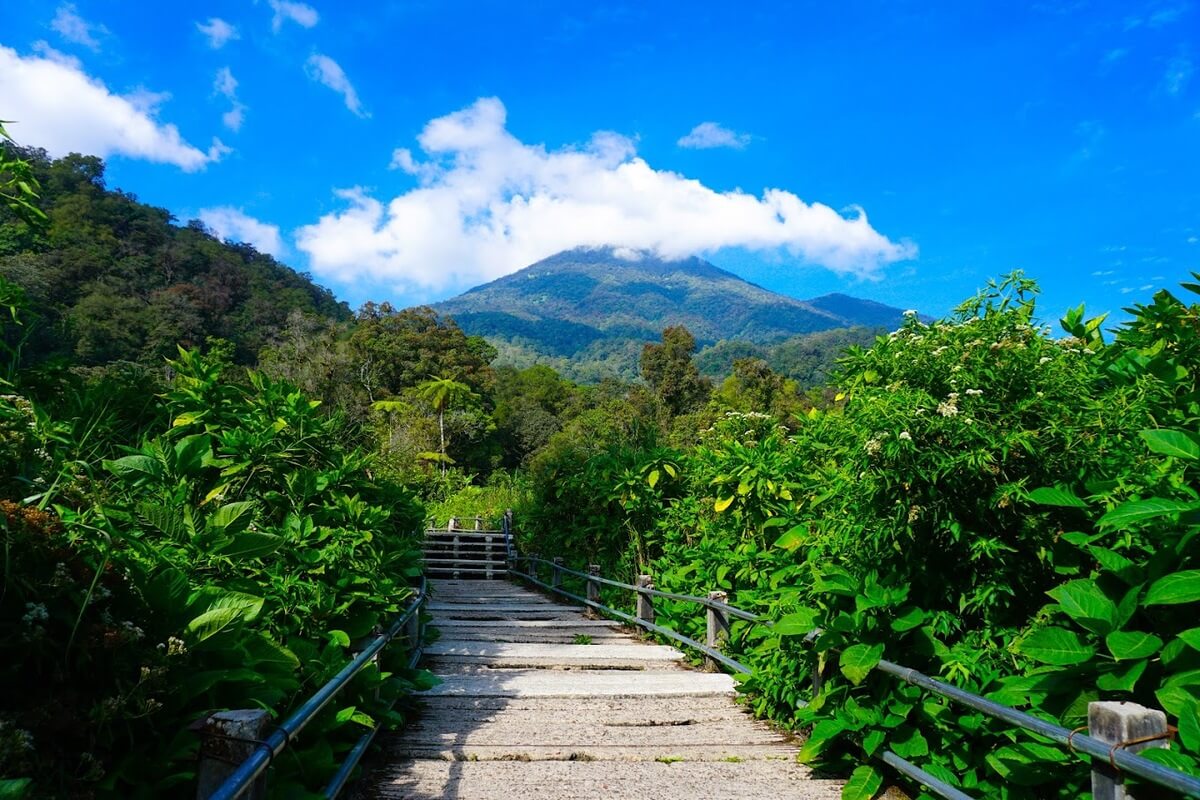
442 436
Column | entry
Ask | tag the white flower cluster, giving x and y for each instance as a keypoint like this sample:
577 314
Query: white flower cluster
173 646
949 406
35 614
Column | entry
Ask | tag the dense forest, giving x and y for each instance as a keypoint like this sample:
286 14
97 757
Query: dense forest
214 478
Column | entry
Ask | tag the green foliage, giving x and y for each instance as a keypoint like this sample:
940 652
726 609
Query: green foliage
1011 513
112 279
229 560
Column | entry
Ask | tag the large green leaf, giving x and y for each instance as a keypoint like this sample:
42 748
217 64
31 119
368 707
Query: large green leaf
14 788
133 467
857 661
252 544
1056 496
820 737
1124 678
864 782
798 623
1191 637
1137 511
1172 443
1189 726
1083 602
190 452
1173 589
225 610
1057 646
232 518
1127 645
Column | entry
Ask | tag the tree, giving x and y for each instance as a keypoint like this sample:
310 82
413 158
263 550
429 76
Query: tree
668 369
443 393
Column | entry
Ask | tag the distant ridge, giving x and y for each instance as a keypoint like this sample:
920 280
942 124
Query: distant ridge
602 304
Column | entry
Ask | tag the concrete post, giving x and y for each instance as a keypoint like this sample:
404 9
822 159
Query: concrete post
533 566
1115 722
412 632
593 587
479 523
452 524
645 603
227 739
718 629
556 573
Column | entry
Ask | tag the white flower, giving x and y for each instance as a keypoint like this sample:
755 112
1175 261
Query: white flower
35 613
872 446
910 313
947 409
1045 360
974 392
905 436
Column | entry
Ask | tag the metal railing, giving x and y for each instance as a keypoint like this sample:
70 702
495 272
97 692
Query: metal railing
1106 753
255 765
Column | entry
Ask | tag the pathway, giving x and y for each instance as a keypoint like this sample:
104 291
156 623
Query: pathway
527 710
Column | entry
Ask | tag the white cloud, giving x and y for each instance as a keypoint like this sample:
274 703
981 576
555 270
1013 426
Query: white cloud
708 135
302 14
75 28
218 31
325 70
226 85
237 226
61 108
488 204
43 48
1179 72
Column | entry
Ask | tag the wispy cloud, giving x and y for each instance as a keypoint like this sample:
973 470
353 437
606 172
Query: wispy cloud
63 109
487 204
1090 133
302 14
708 135
74 28
226 86
235 225
218 31
325 71
1179 72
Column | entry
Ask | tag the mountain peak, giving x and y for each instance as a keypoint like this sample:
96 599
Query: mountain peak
592 302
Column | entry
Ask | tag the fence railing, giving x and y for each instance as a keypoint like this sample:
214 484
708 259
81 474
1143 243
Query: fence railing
244 729
1114 729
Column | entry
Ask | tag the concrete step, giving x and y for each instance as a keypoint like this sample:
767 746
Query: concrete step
599 780
583 683
515 655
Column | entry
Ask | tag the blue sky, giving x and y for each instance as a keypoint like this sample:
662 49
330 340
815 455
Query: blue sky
408 151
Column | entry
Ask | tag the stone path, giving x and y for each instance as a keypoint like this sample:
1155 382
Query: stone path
523 711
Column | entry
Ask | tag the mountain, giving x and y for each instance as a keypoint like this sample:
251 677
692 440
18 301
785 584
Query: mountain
116 280
597 306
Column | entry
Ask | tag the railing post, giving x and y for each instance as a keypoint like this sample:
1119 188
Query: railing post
593 587
645 603
718 629
533 566
227 739
1114 723
556 573
479 523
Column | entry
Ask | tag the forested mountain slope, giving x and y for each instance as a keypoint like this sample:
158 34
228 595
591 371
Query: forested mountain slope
589 311
115 279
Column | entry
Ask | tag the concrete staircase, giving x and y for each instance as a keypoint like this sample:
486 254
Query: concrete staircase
539 702
455 553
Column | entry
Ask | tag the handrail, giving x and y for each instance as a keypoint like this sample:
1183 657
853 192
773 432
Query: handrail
262 756
1125 761
652 592
711 652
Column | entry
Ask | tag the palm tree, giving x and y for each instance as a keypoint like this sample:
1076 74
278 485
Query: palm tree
442 393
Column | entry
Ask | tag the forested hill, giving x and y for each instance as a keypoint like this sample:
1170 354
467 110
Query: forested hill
592 309
112 278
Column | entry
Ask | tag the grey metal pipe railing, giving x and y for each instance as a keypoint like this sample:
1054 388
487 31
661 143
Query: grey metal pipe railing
651 592
1125 761
711 652
258 761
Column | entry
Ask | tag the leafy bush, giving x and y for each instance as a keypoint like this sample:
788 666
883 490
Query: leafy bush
1013 513
229 561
